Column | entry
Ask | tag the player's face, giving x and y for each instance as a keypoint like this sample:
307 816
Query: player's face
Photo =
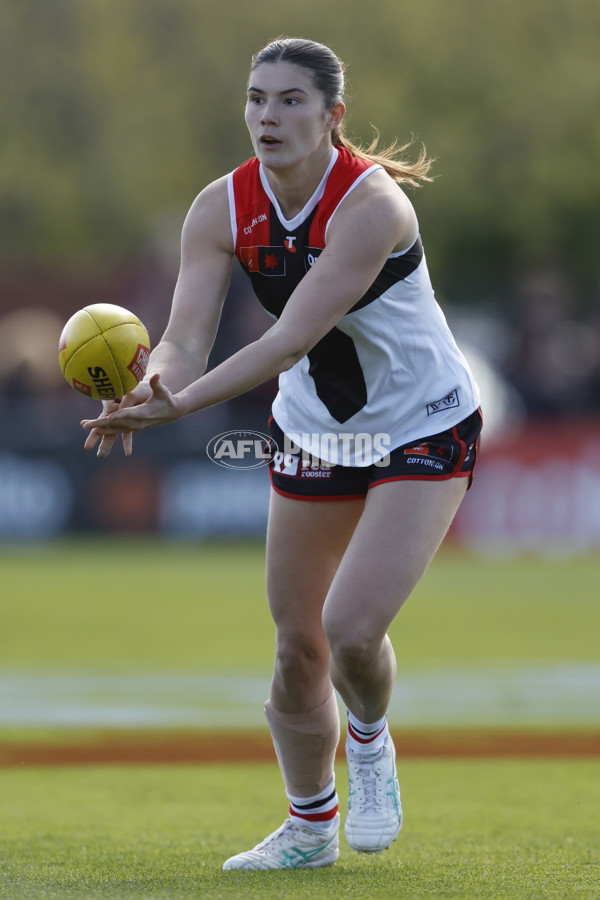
286 116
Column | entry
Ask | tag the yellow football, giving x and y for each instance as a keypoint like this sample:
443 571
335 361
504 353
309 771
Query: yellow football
103 351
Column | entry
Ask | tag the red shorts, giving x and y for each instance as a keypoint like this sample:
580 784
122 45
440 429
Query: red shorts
449 454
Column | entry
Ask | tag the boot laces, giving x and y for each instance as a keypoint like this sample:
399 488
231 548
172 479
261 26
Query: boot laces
370 771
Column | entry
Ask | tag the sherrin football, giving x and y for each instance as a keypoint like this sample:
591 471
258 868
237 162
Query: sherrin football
103 351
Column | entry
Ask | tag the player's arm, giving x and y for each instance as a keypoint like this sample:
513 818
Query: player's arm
206 259
377 220
374 221
363 233
182 354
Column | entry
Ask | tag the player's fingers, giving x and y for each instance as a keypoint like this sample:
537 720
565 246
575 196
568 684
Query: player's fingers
98 425
106 445
106 442
127 443
159 391
127 402
91 440
157 386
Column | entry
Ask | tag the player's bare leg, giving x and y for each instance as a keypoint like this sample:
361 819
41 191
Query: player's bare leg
305 543
401 528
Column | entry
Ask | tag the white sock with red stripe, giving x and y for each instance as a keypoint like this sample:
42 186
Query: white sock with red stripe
366 738
317 812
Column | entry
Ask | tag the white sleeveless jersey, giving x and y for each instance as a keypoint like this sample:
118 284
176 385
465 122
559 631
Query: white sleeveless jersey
390 372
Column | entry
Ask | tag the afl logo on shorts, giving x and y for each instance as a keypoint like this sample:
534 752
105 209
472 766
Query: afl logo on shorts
241 449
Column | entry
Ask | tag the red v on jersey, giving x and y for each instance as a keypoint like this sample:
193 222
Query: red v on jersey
268 246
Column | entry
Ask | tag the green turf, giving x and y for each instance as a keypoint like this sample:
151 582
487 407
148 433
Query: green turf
500 829
151 603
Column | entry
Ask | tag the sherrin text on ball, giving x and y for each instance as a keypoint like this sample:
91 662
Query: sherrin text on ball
103 351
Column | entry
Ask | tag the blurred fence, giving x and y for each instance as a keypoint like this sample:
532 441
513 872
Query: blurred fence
537 489
537 485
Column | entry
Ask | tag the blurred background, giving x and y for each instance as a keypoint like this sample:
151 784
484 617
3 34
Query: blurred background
116 114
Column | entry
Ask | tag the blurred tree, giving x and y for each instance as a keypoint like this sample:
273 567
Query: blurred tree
117 112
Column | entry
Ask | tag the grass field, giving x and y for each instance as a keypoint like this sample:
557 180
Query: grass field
474 828
133 604
501 829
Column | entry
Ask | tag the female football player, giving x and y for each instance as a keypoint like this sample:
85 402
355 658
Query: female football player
374 429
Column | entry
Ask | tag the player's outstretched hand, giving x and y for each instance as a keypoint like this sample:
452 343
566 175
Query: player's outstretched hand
149 404
106 440
138 395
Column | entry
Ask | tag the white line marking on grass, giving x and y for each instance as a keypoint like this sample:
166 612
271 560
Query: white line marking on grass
552 694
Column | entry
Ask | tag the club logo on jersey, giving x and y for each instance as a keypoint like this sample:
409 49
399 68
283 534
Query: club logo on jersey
446 402
263 260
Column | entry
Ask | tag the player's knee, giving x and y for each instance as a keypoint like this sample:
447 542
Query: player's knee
352 657
353 649
299 661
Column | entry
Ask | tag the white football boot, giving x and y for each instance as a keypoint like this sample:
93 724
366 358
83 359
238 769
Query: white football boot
292 846
374 817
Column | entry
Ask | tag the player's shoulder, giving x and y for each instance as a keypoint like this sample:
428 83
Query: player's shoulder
208 216
212 197
379 199
380 188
